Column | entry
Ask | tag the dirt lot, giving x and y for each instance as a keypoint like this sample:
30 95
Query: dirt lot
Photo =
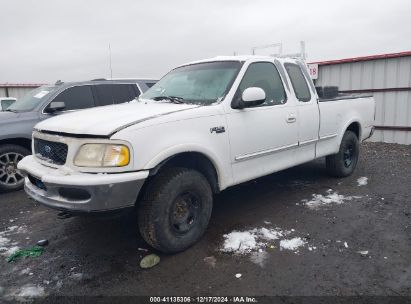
352 240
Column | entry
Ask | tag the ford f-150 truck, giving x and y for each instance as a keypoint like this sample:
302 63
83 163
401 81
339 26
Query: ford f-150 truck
204 127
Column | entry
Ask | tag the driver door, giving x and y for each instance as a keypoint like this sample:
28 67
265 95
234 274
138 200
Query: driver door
262 138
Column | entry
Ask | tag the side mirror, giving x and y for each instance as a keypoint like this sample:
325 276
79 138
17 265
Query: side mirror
253 97
55 106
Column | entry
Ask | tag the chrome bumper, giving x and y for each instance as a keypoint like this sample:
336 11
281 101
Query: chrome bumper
80 192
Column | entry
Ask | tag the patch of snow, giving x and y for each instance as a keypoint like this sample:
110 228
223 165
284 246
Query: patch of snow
25 271
320 200
270 234
10 251
292 244
240 241
4 241
22 229
363 252
31 291
362 181
11 229
238 275
345 245
7 247
250 240
267 222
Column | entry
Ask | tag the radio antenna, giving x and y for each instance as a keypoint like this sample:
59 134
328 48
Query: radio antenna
109 52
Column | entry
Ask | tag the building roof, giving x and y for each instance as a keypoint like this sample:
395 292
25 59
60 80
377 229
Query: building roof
364 58
21 85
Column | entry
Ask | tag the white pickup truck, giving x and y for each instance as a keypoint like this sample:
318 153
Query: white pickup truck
204 127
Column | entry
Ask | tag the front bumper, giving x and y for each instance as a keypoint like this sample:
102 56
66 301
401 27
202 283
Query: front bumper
66 190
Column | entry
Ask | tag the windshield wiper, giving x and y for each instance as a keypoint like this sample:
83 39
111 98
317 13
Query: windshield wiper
173 99
10 110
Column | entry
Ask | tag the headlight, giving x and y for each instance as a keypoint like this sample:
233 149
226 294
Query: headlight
102 155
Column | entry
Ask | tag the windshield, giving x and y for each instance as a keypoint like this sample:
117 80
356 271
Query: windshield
32 99
202 83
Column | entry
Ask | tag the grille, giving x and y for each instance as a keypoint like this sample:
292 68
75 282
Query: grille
50 151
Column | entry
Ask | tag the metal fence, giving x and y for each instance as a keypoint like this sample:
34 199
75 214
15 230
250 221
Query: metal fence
16 90
388 79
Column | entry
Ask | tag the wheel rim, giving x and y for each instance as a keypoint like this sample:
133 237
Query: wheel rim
9 174
348 156
185 212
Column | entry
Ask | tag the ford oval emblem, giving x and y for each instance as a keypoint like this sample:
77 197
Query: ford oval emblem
47 149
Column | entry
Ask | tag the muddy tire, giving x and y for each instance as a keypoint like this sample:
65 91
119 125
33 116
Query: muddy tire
175 209
344 162
11 179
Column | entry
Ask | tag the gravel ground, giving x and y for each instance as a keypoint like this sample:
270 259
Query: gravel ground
360 244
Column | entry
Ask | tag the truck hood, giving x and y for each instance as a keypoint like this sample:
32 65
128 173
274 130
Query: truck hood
104 121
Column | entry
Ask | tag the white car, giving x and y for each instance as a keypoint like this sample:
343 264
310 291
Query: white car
204 127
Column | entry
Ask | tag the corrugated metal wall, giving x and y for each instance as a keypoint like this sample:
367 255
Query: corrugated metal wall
16 92
389 81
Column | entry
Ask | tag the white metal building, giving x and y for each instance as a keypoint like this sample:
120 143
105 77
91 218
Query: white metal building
388 78
16 90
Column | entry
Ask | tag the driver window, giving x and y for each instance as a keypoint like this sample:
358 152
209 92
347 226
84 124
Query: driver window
264 75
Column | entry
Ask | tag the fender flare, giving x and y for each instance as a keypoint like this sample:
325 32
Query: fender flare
351 121
170 152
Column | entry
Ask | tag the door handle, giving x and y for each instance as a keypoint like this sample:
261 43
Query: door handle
291 118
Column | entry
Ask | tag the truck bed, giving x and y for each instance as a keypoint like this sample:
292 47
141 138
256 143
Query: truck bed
344 97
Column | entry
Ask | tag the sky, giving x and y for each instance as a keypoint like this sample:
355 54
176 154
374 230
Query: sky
46 40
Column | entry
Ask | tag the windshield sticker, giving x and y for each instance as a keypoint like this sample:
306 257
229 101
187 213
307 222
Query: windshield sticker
41 94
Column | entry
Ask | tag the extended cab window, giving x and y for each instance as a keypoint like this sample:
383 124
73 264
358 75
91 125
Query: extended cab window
264 75
298 81
79 97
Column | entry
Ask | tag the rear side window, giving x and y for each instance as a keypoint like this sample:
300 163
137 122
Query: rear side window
104 95
299 82
108 94
123 93
264 75
150 84
75 98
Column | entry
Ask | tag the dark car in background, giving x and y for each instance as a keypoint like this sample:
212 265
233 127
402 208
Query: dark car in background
18 120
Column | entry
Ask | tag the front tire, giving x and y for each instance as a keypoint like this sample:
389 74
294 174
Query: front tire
344 162
175 209
11 179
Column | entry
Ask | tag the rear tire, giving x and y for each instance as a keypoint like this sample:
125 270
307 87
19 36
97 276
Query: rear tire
11 179
175 209
344 162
